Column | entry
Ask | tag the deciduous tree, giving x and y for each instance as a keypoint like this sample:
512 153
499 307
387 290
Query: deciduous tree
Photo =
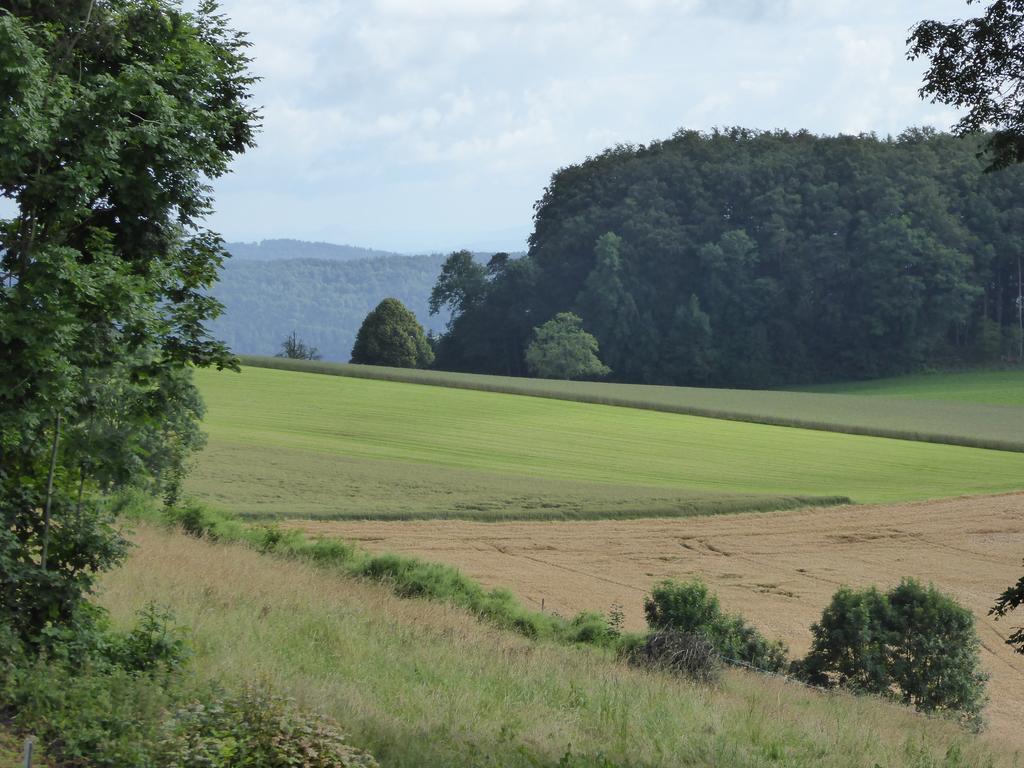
391 335
113 116
295 349
978 65
561 349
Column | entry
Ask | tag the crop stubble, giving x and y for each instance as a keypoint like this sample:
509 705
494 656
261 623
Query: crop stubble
777 569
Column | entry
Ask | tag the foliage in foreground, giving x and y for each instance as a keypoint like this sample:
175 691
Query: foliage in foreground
256 729
113 116
98 697
912 642
1010 600
971 64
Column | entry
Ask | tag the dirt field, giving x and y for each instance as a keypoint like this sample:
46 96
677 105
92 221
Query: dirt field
777 569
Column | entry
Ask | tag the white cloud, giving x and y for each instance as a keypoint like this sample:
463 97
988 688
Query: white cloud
433 9
448 116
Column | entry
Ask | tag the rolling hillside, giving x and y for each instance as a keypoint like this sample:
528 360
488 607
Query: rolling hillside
422 684
306 445
972 423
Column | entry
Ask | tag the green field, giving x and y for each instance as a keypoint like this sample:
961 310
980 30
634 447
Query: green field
990 387
307 445
975 423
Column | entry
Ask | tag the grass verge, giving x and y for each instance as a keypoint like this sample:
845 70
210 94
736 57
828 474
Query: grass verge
406 576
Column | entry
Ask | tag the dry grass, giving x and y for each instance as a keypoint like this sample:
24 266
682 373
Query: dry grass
777 569
422 684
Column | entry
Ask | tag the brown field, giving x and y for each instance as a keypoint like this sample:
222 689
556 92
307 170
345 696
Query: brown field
777 569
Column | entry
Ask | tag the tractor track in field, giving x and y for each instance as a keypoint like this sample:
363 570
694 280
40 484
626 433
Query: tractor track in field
778 569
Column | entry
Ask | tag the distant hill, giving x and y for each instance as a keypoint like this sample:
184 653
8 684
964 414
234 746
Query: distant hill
324 300
272 250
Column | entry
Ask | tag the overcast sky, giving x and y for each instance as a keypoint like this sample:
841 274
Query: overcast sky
431 125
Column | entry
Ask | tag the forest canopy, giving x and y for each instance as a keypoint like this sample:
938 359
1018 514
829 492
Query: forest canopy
746 258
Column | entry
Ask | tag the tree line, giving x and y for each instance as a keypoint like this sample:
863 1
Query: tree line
749 258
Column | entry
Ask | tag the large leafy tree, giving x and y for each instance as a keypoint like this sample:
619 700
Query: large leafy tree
913 643
113 116
391 335
978 65
561 349
462 283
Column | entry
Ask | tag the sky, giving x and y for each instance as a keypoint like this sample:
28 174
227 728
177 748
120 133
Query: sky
432 125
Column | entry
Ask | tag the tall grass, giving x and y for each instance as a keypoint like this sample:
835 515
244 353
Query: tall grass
975 425
422 683
406 576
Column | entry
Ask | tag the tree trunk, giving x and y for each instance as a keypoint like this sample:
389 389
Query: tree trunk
49 491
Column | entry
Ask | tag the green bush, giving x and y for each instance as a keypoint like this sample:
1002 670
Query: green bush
154 644
99 698
92 696
98 715
254 729
912 643
689 607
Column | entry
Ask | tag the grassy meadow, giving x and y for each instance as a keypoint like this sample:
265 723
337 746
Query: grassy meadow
422 684
970 421
305 445
990 387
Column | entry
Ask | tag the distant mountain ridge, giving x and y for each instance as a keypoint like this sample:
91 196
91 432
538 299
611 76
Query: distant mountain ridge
283 248
323 300
273 250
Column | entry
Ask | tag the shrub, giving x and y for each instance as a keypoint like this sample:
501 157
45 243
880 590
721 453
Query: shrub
913 643
681 653
691 608
154 644
99 715
254 729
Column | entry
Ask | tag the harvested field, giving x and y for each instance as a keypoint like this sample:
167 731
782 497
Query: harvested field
778 569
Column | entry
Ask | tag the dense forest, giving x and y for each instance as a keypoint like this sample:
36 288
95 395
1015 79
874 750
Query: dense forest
323 301
744 258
